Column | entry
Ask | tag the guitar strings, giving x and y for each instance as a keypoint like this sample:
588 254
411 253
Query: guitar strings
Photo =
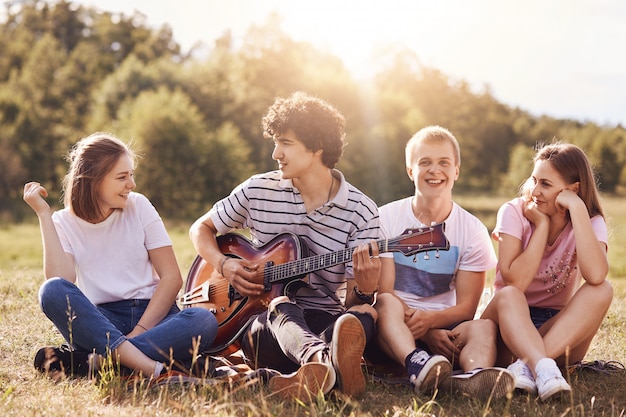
306 265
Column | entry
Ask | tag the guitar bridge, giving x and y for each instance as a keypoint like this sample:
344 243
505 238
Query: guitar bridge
197 295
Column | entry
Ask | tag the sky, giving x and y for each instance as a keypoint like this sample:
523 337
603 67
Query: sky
561 58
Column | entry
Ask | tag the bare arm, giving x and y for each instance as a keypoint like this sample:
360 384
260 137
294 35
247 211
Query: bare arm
240 273
366 273
56 262
517 265
387 275
469 289
592 257
165 264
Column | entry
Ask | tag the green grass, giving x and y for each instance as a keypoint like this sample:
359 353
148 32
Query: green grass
24 329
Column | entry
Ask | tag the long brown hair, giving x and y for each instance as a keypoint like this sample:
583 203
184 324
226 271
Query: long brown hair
91 158
572 164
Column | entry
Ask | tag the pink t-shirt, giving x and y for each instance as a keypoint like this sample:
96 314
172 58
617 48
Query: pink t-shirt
558 276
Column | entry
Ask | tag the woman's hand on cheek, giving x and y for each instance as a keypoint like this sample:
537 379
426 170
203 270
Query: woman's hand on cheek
565 199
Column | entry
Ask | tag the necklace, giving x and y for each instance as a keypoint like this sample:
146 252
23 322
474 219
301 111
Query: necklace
330 190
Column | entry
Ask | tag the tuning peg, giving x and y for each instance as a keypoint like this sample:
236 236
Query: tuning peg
415 258
426 256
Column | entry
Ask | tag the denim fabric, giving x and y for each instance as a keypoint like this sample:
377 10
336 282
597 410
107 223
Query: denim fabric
103 328
540 315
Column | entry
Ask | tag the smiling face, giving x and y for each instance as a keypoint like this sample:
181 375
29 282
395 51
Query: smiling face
116 185
545 184
294 159
433 167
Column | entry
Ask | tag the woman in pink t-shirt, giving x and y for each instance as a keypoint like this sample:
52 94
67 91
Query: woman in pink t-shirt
551 239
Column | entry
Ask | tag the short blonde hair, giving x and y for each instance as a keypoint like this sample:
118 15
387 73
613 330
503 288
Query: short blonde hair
432 134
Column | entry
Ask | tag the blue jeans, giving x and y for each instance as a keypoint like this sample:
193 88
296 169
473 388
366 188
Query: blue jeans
103 328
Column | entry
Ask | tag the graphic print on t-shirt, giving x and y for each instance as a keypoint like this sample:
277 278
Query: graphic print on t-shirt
426 277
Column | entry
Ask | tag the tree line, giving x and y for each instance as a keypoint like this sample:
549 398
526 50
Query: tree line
68 70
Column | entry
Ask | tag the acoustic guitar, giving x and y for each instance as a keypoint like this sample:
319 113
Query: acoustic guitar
282 260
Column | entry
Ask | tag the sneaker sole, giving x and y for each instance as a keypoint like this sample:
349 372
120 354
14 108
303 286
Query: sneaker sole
304 384
436 371
347 347
556 394
488 383
525 387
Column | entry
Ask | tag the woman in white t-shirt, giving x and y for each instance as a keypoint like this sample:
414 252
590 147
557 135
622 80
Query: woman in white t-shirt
551 239
111 273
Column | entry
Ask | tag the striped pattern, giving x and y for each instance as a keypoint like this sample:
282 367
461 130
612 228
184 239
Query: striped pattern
267 205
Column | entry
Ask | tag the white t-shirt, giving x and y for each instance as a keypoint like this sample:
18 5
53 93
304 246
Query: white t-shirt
111 257
429 284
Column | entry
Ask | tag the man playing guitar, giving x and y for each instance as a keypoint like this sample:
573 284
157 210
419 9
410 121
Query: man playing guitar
316 333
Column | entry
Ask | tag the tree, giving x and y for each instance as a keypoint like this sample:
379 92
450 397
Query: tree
125 84
520 168
185 167
167 129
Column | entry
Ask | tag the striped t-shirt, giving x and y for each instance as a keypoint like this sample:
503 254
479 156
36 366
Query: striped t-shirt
268 205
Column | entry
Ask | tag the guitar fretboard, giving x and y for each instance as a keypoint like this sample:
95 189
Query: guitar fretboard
310 264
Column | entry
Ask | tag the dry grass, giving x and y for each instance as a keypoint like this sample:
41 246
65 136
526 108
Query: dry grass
24 392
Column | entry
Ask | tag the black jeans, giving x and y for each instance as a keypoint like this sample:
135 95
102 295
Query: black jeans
287 336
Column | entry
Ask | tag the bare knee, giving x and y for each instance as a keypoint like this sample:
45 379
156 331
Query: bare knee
508 298
484 330
606 292
388 302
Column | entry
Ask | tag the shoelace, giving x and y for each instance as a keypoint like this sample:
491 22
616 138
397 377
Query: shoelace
604 367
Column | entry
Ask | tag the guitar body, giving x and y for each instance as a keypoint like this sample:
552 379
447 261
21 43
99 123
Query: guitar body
206 288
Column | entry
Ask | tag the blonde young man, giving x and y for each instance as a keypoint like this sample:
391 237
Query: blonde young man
426 304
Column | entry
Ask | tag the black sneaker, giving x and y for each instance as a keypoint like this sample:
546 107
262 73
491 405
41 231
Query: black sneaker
427 373
60 362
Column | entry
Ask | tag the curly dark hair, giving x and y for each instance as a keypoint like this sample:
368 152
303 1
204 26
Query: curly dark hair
316 123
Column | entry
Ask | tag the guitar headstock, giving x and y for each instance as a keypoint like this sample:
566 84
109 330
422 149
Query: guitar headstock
421 239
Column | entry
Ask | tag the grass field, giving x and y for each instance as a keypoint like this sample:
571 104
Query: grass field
24 329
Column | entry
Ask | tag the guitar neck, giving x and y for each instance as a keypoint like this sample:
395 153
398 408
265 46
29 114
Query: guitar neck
310 264
409 243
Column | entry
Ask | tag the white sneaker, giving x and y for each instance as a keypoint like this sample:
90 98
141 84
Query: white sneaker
524 379
550 381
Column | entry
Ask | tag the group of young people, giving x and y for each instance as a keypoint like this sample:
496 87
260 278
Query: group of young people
112 277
